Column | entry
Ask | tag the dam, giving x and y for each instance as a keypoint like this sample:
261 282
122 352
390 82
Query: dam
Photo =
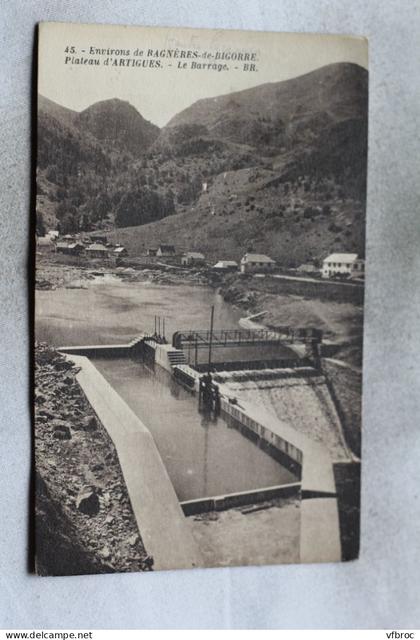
236 457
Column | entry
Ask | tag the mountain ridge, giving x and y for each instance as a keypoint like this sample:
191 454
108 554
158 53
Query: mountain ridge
280 160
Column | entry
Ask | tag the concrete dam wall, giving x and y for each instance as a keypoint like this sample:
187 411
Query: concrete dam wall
293 414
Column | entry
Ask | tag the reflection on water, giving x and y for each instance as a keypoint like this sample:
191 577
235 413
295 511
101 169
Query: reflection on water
203 456
114 311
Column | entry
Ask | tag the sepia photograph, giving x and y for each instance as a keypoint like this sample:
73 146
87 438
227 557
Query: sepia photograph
200 272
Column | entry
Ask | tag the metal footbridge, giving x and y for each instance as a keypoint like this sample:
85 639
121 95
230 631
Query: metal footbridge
245 337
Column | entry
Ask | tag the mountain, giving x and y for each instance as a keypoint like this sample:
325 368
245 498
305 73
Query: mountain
55 110
83 164
280 168
72 168
118 126
272 117
314 125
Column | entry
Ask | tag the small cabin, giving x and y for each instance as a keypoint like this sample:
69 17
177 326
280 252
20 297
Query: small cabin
226 265
44 243
307 267
70 248
120 252
97 251
193 259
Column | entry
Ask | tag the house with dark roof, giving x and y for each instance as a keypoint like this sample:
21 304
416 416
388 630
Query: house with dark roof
166 251
98 238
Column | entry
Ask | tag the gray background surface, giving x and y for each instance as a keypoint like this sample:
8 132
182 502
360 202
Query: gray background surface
382 588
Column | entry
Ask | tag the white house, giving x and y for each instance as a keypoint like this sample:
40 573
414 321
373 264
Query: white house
256 263
343 264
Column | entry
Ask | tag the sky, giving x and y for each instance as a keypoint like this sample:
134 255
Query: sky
135 65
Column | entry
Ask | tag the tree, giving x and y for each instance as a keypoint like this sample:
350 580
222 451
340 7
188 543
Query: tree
143 206
102 206
67 224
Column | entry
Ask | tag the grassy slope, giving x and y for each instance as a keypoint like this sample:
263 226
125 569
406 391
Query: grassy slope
243 210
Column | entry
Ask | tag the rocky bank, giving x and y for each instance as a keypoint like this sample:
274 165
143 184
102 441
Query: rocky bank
83 516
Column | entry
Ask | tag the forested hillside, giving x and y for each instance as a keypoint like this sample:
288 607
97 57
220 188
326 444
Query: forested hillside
280 168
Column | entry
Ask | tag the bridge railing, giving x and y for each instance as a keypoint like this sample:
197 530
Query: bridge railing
224 337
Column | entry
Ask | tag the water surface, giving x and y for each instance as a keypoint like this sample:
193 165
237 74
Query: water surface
111 311
203 457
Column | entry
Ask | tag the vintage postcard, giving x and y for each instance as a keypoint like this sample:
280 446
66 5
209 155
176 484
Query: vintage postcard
200 260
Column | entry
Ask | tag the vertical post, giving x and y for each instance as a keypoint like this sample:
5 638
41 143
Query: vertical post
155 325
163 331
159 326
211 335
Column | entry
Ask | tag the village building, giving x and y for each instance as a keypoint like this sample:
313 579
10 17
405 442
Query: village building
256 263
44 243
307 267
53 234
358 270
152 252
193 258
98 238
346 265
69 248
120 252
97 251
226 265
166 251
